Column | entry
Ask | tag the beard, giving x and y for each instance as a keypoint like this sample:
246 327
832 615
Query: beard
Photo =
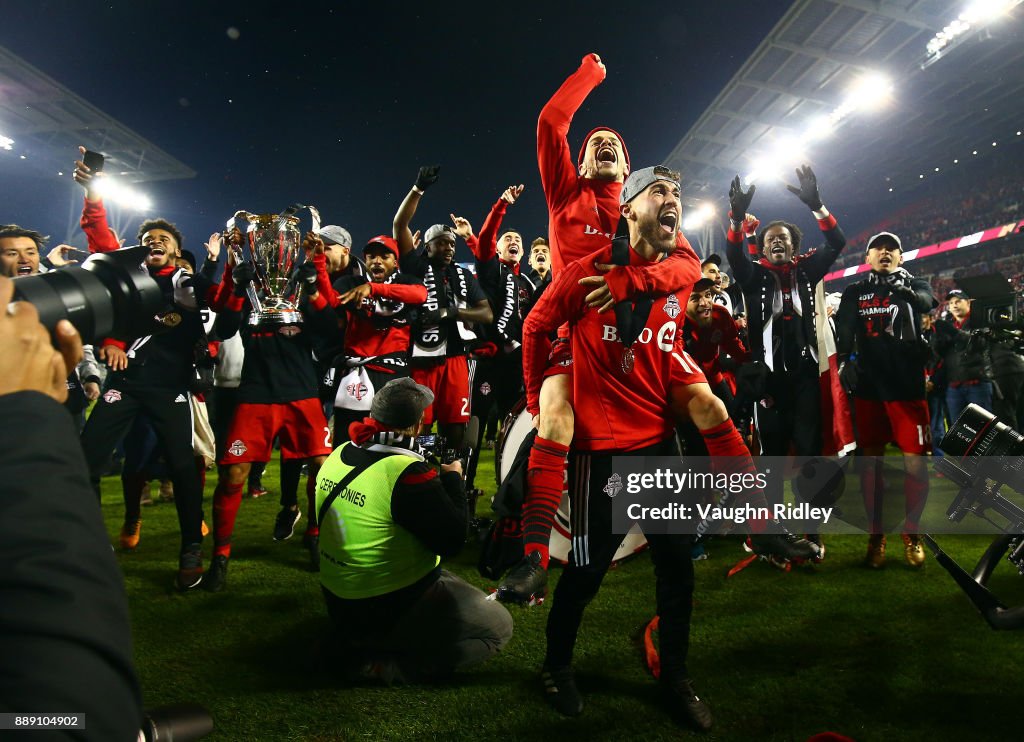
656 237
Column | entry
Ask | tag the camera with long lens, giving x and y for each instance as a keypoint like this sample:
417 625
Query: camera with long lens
982 455
110 295
994 315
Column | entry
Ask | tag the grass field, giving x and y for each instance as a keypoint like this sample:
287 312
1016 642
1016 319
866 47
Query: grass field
892 654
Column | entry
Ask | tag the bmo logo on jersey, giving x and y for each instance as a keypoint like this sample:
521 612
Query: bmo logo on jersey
665 337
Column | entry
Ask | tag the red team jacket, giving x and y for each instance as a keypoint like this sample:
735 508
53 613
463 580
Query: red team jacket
706 344
583 212
614 410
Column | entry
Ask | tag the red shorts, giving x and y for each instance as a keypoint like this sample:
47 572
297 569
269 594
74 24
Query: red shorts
560 358
904 422
300 425
448 379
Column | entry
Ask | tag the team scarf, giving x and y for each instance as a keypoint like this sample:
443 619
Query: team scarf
904 324
376 436
431 341
381 307
509 316
787 278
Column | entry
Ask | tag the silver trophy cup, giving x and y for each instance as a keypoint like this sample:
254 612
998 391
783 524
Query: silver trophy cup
274 243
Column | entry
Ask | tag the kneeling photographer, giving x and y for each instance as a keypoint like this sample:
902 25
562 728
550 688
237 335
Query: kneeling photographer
387 517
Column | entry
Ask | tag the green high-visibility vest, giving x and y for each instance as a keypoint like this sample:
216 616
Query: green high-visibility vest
363 552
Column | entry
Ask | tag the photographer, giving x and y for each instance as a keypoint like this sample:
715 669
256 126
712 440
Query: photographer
386 519
64 631
963 356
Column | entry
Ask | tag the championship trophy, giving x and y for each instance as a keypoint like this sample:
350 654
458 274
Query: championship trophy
275 244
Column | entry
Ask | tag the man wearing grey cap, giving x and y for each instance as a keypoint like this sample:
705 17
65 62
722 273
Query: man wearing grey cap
386 519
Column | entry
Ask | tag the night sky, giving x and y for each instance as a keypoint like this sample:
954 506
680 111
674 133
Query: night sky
319 103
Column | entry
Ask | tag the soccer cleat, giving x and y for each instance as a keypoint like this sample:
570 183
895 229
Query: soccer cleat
129 538
913 550
783 544
205 530
815 538
216 576
561 692
312 542
166 491
190 568
525 583
876 552
686 705
698 553
284 525
257 490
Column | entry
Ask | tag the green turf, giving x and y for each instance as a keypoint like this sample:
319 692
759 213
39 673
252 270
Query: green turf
892 654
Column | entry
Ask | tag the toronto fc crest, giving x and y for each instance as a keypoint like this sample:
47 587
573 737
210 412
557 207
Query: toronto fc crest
672 306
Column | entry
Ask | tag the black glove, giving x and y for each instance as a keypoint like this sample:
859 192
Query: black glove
739 201
849 375
808 190
242 276
752 380
427 176
305 276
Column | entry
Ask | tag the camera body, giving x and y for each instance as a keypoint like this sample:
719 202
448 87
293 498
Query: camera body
436 448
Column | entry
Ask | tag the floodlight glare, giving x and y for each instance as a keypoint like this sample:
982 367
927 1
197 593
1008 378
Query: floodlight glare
976 15
820 127
870 91
6 143
114 190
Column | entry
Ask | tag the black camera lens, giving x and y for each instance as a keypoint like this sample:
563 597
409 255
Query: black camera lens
110 295
984 443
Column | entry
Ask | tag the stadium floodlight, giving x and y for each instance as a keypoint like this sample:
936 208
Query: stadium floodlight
868 92
976 15
820 127
700 216
114 190
6 143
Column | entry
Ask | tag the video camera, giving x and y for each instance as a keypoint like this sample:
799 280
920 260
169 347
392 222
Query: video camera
994 312
983 454
436 447
110 294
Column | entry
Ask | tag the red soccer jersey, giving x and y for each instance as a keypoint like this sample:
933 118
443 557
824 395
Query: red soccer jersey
705 344
615 410
584 212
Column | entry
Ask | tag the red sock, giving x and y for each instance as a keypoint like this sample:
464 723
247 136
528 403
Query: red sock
730 455
312 527
544 480
226 500
872 486
916 493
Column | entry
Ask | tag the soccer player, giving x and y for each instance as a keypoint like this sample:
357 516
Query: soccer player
709 330
278 397
377 331
632 379
454 299
882 356
583 206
